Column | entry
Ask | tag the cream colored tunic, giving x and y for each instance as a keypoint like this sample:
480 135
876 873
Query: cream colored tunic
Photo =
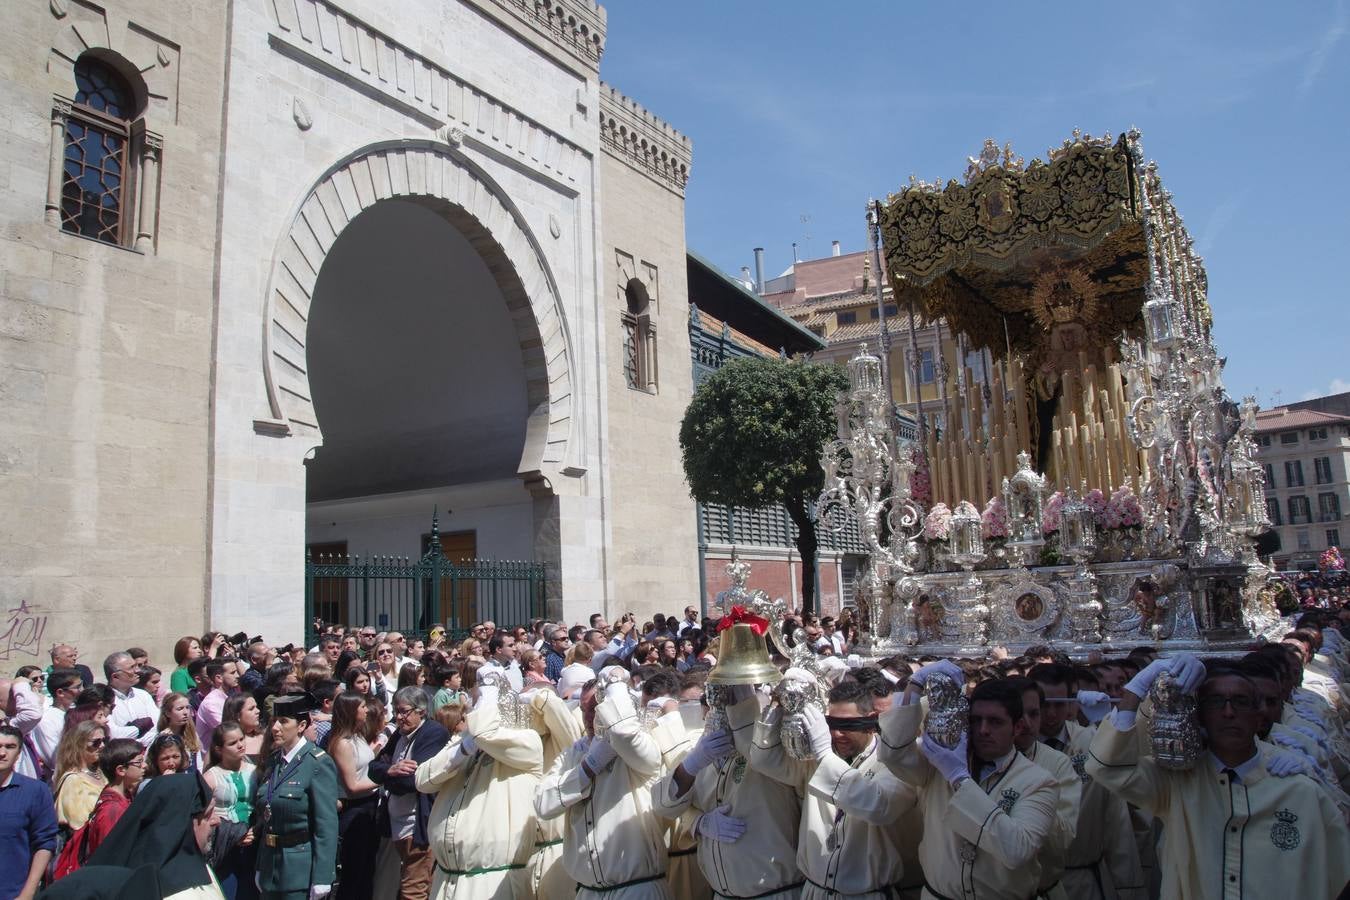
763 860
1259 838
482 823
1067 805
559 730
1102 861
676 733
849 844
980 842
610 835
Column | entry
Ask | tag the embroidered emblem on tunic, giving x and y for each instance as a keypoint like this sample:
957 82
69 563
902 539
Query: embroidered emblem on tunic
968 852
1080 766
1009 798
1284 833
738 769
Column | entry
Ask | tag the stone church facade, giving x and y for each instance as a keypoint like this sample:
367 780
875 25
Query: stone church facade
208 357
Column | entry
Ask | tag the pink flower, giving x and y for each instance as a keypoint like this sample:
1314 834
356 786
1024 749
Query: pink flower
938 523
1123 510
994 519
1050 514
1096 501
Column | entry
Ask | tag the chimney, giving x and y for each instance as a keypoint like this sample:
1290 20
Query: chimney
745 275
834 248
759 270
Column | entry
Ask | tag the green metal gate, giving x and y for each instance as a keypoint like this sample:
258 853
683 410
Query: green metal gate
398 594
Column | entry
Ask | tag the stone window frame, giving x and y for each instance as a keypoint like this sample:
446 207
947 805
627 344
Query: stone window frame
639 338
137 228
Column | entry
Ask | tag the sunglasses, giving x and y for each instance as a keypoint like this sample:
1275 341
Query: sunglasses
384 652
96 743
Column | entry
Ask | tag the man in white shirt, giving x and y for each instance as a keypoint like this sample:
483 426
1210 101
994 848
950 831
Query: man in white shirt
65 685
690 620
135 713
501 650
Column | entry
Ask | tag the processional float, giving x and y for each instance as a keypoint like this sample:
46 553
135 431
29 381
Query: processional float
1086 481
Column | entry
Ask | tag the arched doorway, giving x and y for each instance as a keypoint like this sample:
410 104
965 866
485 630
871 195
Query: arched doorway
415 340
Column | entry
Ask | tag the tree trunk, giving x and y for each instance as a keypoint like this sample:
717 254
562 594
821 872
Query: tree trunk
806 546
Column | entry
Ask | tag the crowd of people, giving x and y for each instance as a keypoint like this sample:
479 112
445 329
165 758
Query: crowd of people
594 761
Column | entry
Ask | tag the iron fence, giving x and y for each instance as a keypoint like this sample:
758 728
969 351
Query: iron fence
410 595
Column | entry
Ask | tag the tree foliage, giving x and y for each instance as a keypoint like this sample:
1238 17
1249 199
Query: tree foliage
752 437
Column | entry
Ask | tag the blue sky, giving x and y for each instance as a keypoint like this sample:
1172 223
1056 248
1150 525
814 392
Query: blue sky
805 110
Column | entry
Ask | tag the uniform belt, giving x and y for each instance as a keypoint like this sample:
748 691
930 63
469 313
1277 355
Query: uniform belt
553 843
941 896
890 890
479 870
770 893
1096 868
687 851
293 839
618 887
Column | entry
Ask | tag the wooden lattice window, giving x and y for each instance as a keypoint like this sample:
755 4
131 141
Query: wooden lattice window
95 189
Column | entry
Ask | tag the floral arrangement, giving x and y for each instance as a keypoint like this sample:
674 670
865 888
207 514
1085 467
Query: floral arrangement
921 482
1050 513
1331 560
994 519
938 523
1096 501
1123 510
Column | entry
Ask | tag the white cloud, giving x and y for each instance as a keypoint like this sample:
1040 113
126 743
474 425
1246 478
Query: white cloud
1337 386
1318 59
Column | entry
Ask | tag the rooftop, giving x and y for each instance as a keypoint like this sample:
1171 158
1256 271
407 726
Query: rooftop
1282 418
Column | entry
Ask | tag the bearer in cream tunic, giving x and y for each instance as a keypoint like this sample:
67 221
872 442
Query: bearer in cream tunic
982 831
745 822
1231 829
613 846
482 824
1102 860
848 845
559 730
1070 789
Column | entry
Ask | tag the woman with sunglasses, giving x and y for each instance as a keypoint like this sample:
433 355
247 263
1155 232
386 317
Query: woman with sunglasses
385 672
78 781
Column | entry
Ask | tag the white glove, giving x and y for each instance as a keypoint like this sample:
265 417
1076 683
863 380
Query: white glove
600 755
797 673
1094 704
817 731
1184 668
617 690
712 747
1283 763
467 745
319 891
613 673
718 826
943 666
835 669
952 764
855 661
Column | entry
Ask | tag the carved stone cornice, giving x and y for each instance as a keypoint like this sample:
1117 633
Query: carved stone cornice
576 26
631 133
337 43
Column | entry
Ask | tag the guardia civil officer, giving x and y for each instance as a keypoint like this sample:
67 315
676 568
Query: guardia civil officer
296 809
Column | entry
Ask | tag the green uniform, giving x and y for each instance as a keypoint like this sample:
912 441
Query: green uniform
297 824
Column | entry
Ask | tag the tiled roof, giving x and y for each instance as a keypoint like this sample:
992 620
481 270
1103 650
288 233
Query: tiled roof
713 325
896 325
1281 418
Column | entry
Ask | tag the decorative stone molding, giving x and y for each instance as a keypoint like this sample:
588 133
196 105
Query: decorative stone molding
429 173
323 36
84 27
631 133
576 26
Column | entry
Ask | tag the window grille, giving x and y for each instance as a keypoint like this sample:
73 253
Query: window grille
1322 469
1328 508
1300 511
98 134
1293 473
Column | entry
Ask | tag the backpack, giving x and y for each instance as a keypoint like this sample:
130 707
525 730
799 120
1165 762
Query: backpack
76 850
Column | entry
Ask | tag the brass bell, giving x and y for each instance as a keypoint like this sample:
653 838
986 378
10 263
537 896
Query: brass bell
743 658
